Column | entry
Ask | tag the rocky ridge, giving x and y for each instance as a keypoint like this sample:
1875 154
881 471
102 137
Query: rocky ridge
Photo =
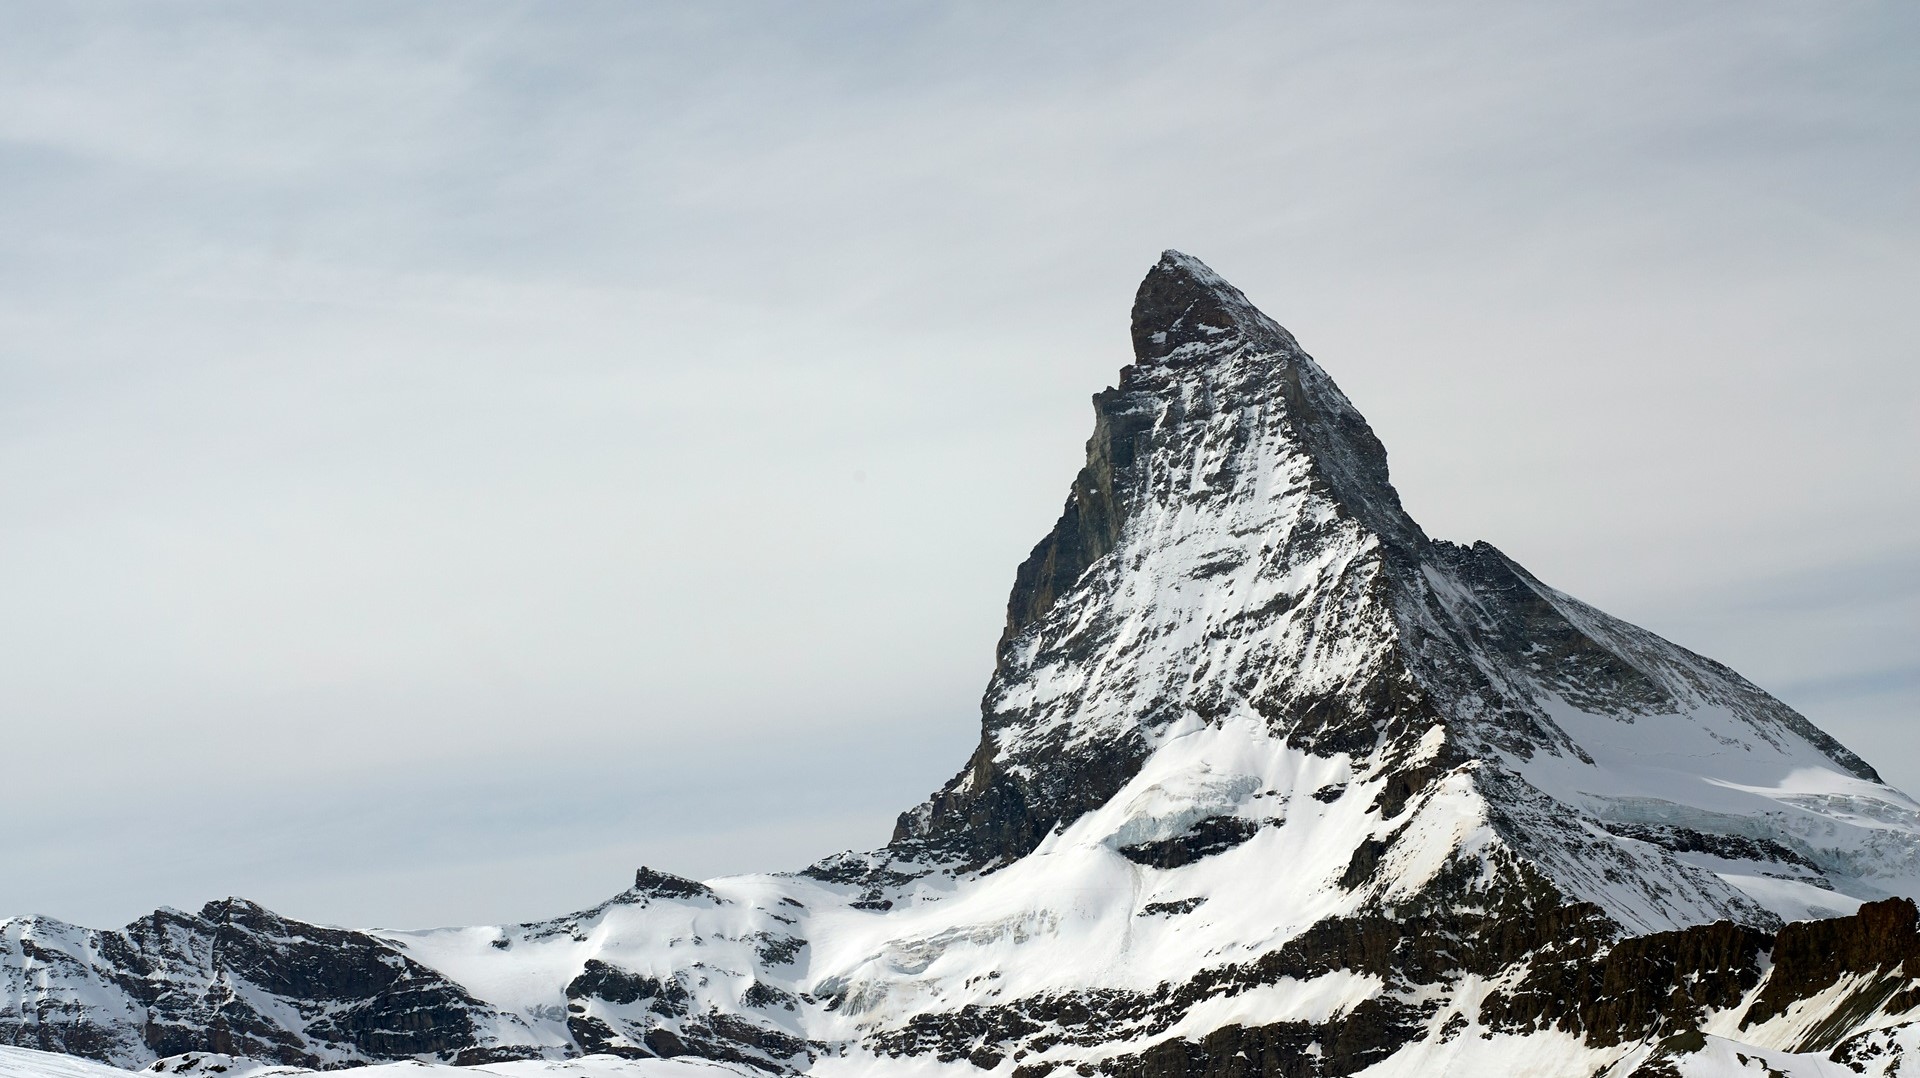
1269 782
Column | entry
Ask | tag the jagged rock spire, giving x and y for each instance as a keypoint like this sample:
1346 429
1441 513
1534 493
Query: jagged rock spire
1183 310
1185 314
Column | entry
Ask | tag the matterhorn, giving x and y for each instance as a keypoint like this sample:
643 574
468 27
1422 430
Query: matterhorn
1269 783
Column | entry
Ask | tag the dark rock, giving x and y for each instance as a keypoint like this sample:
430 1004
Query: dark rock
1216 834
194 977
761 994
646 881
778 950
1879 944
598 980
1368 1034
1731 847
1636 987
663 1043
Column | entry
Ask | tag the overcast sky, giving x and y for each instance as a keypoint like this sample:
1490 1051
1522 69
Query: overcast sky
455 453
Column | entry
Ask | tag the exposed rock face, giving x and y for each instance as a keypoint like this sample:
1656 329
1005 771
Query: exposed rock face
1269 782
234 979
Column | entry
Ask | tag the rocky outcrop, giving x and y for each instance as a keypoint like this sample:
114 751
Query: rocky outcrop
1877 951
1635 988
234 979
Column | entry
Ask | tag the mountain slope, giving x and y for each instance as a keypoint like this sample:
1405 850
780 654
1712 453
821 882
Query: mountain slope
1265 774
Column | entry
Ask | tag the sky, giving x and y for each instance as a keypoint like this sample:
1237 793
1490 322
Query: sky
456 453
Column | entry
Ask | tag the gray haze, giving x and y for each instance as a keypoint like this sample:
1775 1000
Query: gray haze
454 453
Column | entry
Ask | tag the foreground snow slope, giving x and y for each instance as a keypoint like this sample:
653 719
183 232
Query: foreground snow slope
29 1063
1265 774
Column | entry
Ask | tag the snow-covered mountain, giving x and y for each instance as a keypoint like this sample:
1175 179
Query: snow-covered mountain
1268 782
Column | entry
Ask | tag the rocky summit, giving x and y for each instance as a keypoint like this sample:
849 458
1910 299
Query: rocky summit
1269 782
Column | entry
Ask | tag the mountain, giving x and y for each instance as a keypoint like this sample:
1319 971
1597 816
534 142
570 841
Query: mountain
1269 782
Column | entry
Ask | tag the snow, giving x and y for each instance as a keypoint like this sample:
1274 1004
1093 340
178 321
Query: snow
27 1063
1793 900
1287 1000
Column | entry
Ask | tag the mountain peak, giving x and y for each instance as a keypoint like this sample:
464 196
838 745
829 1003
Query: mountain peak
1187 318
1184 312
1180 263
1233 553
